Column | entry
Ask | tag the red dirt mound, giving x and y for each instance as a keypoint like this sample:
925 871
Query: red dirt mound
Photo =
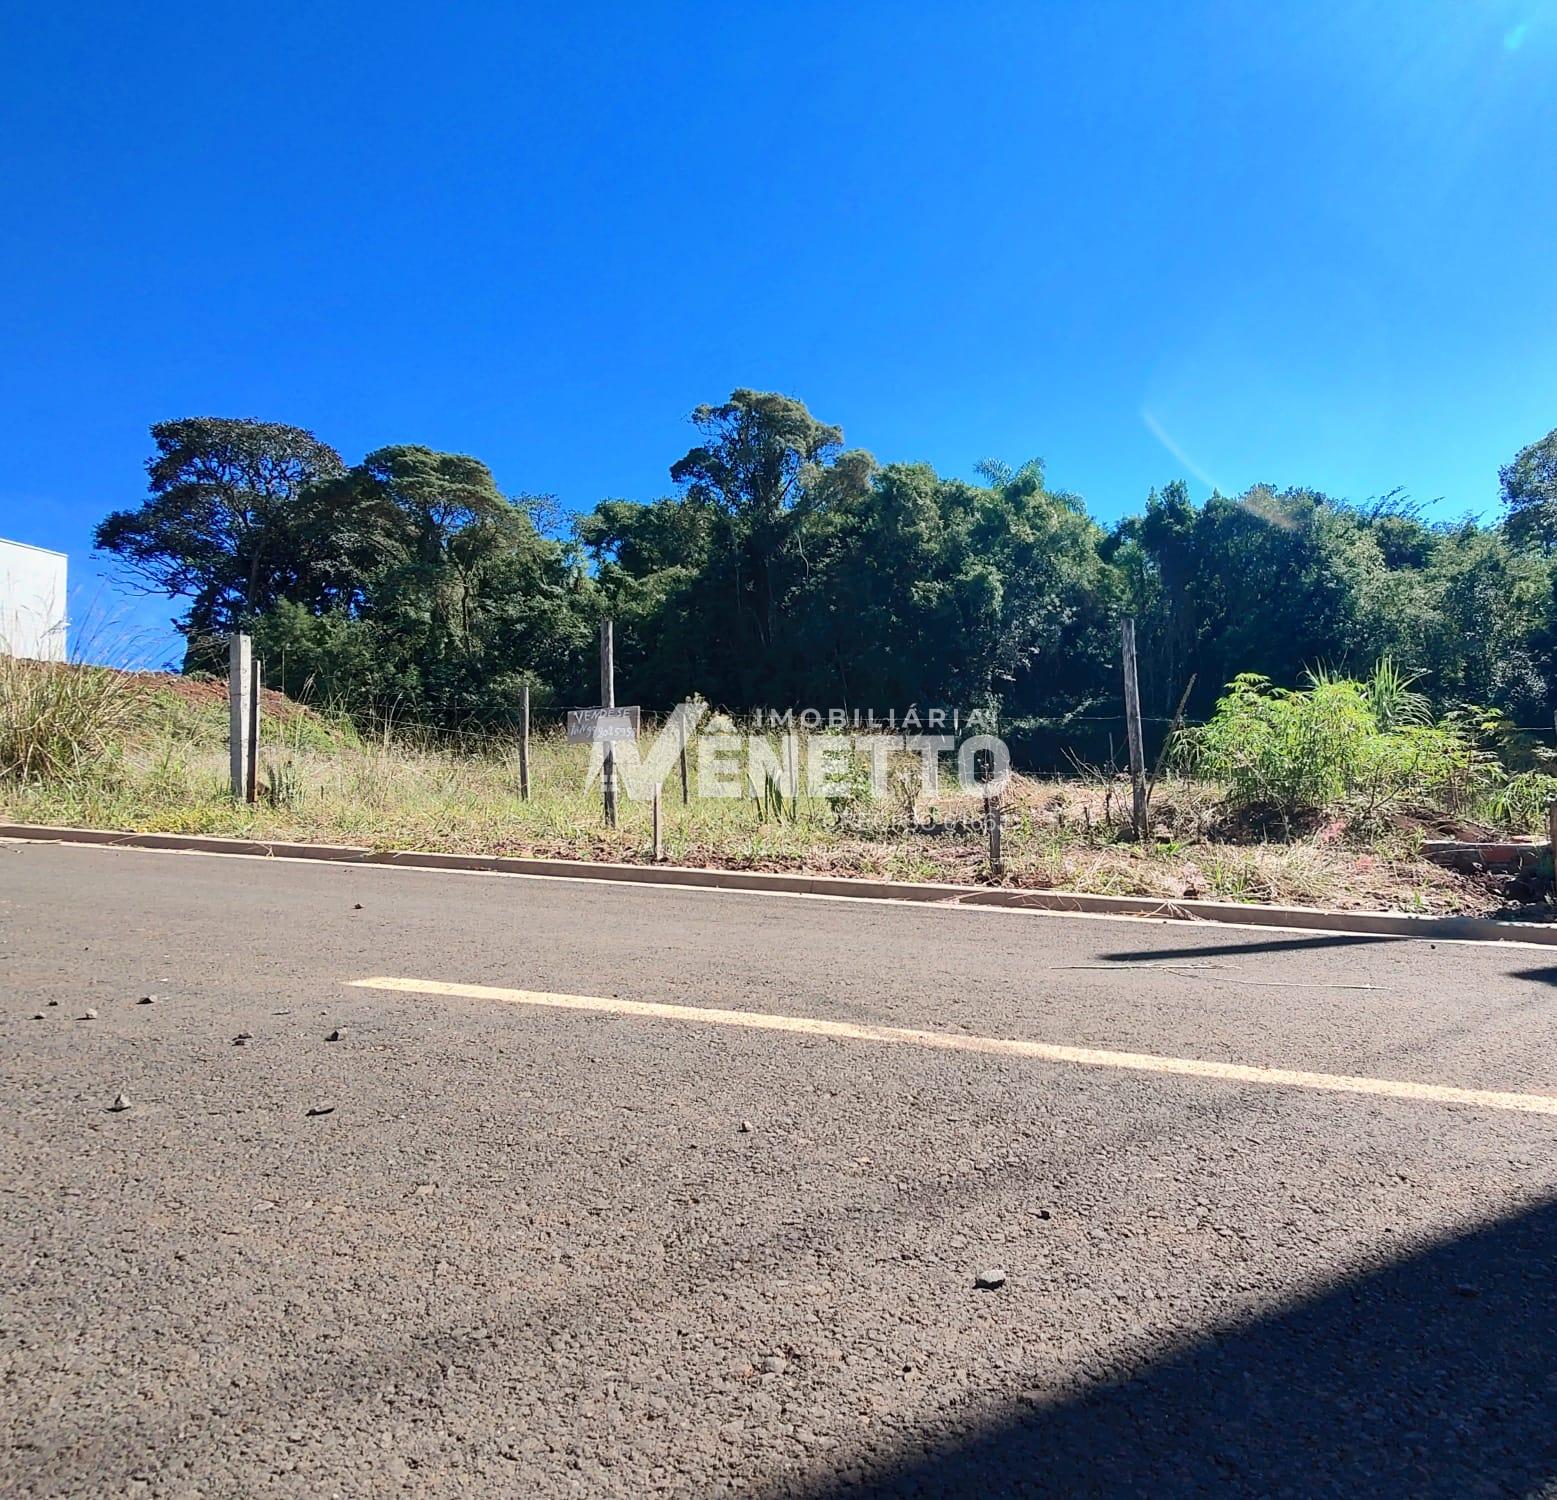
207 692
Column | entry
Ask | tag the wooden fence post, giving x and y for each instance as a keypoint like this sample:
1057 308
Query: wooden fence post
682 735
256 677
1551 838
659 840
1174 725
1132 694
993 818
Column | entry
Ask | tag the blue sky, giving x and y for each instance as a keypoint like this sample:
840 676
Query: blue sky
1307 243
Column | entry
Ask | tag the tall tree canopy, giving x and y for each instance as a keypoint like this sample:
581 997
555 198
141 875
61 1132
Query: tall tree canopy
223 524
788 571
760 454
1530 492
456 598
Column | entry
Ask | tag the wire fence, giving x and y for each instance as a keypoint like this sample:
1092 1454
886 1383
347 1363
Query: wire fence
1045 748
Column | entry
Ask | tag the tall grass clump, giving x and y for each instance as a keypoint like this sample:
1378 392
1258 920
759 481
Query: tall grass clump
57 718
1390 693
1520 801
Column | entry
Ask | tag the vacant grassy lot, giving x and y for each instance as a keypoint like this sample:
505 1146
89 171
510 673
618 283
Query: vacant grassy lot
158 762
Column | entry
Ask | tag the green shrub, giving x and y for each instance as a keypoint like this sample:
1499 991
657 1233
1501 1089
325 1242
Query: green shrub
1424 766
853 791
1284 752
1518 749
1364 746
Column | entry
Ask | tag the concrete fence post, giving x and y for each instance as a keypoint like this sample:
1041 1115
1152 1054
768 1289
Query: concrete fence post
242 718
608 700
524 745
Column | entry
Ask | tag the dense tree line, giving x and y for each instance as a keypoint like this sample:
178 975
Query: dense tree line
788 570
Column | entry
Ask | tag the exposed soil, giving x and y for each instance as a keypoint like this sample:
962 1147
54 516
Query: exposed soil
211 692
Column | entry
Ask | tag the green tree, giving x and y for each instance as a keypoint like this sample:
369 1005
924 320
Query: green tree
1155 555
760 453
455 600
1484 636
223 521
787 571
653 569
924 590
1529 487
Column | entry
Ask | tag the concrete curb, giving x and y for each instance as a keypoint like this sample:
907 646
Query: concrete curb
1378 924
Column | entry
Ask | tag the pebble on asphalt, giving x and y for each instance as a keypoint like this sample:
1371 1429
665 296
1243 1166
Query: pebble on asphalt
321 1109
745 1127
334 1036
121 1102
89 1014
987 1281
147 1000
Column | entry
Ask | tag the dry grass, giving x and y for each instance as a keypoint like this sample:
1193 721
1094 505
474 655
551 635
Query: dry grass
161 765
58 721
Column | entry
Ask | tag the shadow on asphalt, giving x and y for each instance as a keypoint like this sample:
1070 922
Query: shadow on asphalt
1270 945
1435 1378
1547 975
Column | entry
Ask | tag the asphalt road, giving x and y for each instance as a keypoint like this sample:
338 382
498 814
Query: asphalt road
553 1250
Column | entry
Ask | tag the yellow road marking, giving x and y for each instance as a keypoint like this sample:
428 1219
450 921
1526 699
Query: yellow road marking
1091 1057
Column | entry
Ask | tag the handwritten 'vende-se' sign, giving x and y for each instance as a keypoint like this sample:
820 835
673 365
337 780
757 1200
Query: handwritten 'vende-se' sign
587 725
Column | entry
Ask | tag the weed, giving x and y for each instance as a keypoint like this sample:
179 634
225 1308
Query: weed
57 720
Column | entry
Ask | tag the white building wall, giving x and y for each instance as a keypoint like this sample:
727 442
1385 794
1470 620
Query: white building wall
32 602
